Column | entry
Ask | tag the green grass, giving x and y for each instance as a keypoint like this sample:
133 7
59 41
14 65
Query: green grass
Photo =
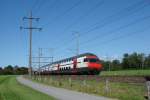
10 89
126 73
121 91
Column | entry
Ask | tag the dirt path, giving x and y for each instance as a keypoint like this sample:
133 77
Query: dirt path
59 93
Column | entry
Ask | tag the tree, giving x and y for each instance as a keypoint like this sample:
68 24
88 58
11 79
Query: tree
133 61
16 70
116 65
8 70
1 70
106 65
125 61
23 70
147 62
136 61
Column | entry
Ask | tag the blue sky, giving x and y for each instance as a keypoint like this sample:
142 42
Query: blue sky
107 28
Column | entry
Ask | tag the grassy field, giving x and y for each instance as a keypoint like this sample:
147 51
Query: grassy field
121 91
10 89
126 73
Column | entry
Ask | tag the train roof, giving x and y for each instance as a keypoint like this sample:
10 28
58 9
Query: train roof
70 58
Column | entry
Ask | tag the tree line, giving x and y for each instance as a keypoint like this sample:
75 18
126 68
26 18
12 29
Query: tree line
13 70
129 61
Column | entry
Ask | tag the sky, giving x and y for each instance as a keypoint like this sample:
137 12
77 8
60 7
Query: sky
107 28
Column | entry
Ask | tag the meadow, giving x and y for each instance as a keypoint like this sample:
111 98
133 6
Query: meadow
10 89
126 73
117 90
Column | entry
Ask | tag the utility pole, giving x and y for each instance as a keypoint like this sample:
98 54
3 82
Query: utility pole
30 28
52 53
109 62
40 55
40 59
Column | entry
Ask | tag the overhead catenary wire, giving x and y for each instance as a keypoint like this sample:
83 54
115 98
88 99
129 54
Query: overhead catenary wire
100 3
129 11
35 3
106 23
122 36
64 13
38 8
135 8
115 30
49 7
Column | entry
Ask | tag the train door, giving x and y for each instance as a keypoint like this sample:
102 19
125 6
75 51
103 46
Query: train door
74 65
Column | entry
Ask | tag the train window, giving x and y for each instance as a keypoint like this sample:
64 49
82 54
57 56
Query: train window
69 59
90 60
85 60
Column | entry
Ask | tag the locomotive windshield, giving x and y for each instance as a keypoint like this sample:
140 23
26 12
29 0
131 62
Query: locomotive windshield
91 60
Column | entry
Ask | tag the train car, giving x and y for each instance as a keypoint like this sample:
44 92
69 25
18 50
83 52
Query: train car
83 64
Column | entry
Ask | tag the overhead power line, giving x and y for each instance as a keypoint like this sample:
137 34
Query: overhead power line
115 30
128 11
38 8
121 14
100 3
35 3
122 36
64 13
50 7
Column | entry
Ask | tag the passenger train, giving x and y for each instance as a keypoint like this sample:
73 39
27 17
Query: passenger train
83 64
